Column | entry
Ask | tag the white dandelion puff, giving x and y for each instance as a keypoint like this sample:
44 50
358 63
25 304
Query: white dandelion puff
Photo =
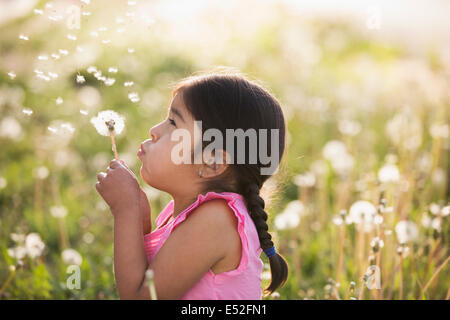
71 256
389 173
128 83
23 37
290 217
41 172
58 211
362 213
113 69
34 245
407 231
109 123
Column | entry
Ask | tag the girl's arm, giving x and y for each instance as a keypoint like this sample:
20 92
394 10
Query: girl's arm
130 262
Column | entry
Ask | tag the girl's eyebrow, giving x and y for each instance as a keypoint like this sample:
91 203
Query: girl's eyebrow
176 112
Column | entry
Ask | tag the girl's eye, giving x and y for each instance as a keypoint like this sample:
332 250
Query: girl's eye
172 122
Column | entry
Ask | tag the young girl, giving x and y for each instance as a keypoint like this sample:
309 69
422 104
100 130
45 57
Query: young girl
208 239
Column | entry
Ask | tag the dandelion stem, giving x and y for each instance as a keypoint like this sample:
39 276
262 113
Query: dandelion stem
401 278
341 253
435 275
5 285
114 145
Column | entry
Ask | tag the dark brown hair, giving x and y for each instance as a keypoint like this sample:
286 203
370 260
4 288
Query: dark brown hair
226 99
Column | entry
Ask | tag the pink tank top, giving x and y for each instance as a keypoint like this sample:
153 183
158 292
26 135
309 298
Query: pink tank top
244 282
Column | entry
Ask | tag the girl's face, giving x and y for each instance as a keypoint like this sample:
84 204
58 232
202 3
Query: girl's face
158 169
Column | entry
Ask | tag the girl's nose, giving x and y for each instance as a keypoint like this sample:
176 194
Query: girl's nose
153 134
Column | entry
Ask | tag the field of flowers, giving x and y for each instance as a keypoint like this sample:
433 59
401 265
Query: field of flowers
359 207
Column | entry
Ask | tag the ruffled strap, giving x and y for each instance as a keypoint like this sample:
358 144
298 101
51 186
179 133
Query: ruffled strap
164 214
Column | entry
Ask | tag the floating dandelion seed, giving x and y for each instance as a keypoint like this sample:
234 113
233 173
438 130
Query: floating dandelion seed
86 1
80 79
43 57
86 13
109 123
38 11
63 52
55 56
71 37
112 69
55 18
59 100
23 37
27 111
53 75
83 112
130 50
12 74
128 83
133 96
92 69
110 81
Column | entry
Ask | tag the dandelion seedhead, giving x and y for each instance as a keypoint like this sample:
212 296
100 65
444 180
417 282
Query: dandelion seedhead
108 122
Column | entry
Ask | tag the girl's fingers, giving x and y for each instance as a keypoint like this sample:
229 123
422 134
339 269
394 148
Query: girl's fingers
101 176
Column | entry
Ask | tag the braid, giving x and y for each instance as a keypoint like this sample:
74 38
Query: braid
255 204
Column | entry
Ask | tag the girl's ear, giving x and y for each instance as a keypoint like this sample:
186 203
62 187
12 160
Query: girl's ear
215 165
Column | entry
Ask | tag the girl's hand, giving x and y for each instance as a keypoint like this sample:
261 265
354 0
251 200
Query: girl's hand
119 187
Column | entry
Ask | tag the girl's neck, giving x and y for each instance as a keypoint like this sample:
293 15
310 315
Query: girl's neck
181 203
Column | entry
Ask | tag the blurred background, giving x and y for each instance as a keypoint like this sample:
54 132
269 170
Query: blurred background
360 205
